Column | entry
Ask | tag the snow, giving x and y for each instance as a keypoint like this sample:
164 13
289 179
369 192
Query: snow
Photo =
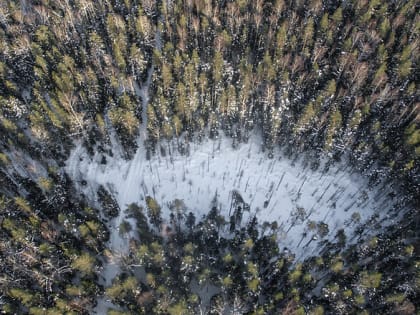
205 291
274 188
25 166
104 305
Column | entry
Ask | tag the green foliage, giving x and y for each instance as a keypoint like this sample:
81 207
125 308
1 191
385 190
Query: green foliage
18 233
124 228
4 160
412 135
227 282
324 23
370 279
73 290
295 274
121 290
249 244
300 311
254 284
217 67
85 263
308 115
26 297
355 120
395 298
337 266
154 210
228 258
359 299
46 184
252 268
124 119
334 125
45 249
318 310
42 35
8 124
179 308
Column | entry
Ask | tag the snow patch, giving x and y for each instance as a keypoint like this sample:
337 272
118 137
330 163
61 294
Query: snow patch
276 189
309 207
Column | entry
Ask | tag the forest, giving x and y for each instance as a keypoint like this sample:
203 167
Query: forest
209 157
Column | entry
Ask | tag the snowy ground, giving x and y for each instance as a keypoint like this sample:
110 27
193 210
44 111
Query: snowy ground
274 188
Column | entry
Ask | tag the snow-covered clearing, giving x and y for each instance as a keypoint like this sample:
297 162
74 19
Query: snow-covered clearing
274 188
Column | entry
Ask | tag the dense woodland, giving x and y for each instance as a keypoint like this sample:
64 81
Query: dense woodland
333 80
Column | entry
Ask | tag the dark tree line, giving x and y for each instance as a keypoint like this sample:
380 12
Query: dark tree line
244 269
